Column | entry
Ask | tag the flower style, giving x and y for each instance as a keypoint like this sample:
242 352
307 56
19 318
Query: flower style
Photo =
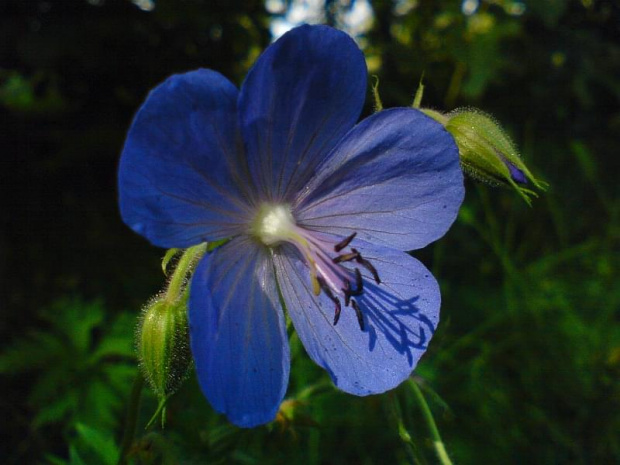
319 212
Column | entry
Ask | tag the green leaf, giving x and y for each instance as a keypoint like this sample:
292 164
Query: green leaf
76 377
98 442
54 412
74 457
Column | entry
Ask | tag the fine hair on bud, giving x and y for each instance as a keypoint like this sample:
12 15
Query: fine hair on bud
162 344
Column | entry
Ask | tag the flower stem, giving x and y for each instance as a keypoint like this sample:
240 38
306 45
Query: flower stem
131 419
396 416
178 280
440 449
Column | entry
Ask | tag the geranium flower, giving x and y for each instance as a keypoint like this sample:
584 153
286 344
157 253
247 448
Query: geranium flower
320 212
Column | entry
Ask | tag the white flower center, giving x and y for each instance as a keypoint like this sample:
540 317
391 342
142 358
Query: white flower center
273 224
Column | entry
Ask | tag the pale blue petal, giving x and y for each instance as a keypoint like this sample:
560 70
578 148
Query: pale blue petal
395 179
400 317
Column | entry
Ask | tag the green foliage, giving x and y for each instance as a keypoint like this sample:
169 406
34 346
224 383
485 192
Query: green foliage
462 55
19 93
89 447
535 351
80 365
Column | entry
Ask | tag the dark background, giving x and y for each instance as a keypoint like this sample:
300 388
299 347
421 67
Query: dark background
525 367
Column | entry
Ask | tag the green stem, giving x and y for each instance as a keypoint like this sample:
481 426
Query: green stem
132 418
396 416
455 84
440 449
178 280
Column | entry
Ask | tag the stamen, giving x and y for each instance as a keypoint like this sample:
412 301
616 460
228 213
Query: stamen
346 241
316 288
347 257
275 224
337 313
366 264
359 284
347 293
358 313
333 298
304 248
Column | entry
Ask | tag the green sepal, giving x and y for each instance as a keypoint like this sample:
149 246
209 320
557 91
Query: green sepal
163 344
166 260
160 412
375 93
419 93
436 115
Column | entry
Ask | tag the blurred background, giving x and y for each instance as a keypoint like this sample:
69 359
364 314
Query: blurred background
525 366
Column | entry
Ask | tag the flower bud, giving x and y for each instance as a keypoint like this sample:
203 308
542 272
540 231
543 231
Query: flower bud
163 344
486 152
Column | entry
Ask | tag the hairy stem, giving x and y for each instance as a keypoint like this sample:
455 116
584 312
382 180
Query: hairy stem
178 280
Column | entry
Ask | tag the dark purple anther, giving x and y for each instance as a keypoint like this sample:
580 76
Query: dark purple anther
347 293
366 264
346 241
359 284
337 311
347 257
358 313
333 298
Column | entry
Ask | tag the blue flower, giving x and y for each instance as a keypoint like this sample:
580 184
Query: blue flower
320 211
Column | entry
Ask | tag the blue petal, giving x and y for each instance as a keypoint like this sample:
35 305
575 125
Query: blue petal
178 176
395 179
238 333
302 95
400 317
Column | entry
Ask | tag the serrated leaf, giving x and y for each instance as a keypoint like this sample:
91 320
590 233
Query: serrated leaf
74 378
98 442
54 412
74 457
113 348
34 351
100 402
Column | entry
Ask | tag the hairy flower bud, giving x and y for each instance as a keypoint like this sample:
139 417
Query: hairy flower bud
486 152
163 344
